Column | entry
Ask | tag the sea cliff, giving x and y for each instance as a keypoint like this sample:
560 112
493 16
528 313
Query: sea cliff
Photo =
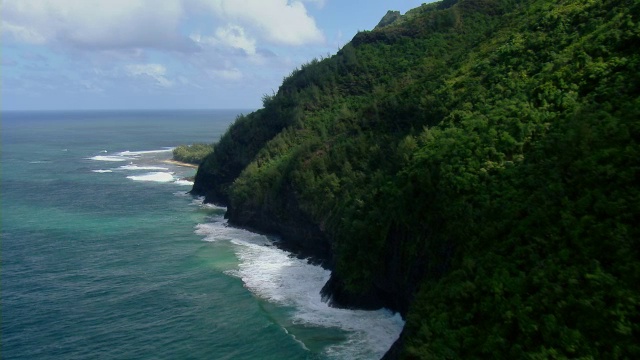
472 164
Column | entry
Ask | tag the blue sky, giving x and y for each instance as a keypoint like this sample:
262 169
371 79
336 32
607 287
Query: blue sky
167 54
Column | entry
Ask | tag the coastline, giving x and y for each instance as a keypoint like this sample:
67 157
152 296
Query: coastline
179 163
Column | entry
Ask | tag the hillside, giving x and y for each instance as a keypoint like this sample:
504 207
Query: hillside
473 164
191 154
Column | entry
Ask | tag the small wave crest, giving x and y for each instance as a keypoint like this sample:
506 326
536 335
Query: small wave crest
183 182
277 276
142 161
218 230
154 177
199 201
114 158
138 153
138 167
127 155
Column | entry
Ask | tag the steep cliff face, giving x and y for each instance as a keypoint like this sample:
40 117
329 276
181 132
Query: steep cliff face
270 169
203 186
297 231
460 164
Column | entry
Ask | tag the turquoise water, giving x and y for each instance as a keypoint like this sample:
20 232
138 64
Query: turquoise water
105 255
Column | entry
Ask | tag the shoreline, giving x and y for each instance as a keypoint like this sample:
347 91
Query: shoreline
179 163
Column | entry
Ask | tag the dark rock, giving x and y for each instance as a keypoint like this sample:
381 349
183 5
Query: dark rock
335 293
297 232
389 18
206 184
395 351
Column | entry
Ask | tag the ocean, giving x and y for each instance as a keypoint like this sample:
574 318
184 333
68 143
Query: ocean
105 255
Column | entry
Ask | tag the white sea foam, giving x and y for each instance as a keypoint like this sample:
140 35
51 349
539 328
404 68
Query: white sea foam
115 158
138 153
275 275
218 230
137 167
199 201
153 176
214 206
127 155
158 174
183 182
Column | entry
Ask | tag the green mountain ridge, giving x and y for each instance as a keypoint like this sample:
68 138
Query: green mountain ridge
473 164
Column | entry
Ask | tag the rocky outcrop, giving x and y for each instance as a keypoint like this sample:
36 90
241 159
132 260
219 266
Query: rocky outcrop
202 187
298 233
296 230
389 18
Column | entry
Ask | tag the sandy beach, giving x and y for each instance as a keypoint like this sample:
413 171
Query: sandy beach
174 162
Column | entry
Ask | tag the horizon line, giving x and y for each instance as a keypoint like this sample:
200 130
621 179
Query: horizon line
126 109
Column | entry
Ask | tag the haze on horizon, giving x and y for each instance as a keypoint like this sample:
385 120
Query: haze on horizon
173 54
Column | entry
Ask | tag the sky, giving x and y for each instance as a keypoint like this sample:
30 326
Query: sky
167 54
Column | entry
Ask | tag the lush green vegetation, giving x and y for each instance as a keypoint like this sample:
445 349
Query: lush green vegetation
192 154
485 153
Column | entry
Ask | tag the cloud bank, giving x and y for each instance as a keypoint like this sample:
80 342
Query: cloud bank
153 24
125 48
96 25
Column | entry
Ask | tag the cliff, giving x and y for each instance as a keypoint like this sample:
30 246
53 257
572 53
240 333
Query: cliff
472 164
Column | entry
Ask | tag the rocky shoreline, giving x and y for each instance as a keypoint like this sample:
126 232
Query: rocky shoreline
306 240
298 234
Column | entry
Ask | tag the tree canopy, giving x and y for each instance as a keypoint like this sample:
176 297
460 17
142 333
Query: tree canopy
478 159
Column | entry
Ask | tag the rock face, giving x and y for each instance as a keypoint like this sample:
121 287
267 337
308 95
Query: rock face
202 186
335 293
388 19
461 162
297 232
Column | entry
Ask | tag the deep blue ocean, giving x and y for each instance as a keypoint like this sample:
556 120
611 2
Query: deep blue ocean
105 255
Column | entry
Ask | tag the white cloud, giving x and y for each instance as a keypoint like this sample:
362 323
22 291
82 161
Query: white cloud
226 74
187 82
126 24
319 3
22 33
117 47
278 21
153 71
230 36
234 36
90 86
97 24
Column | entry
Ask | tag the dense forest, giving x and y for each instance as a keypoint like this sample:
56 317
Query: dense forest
473 164
192 154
